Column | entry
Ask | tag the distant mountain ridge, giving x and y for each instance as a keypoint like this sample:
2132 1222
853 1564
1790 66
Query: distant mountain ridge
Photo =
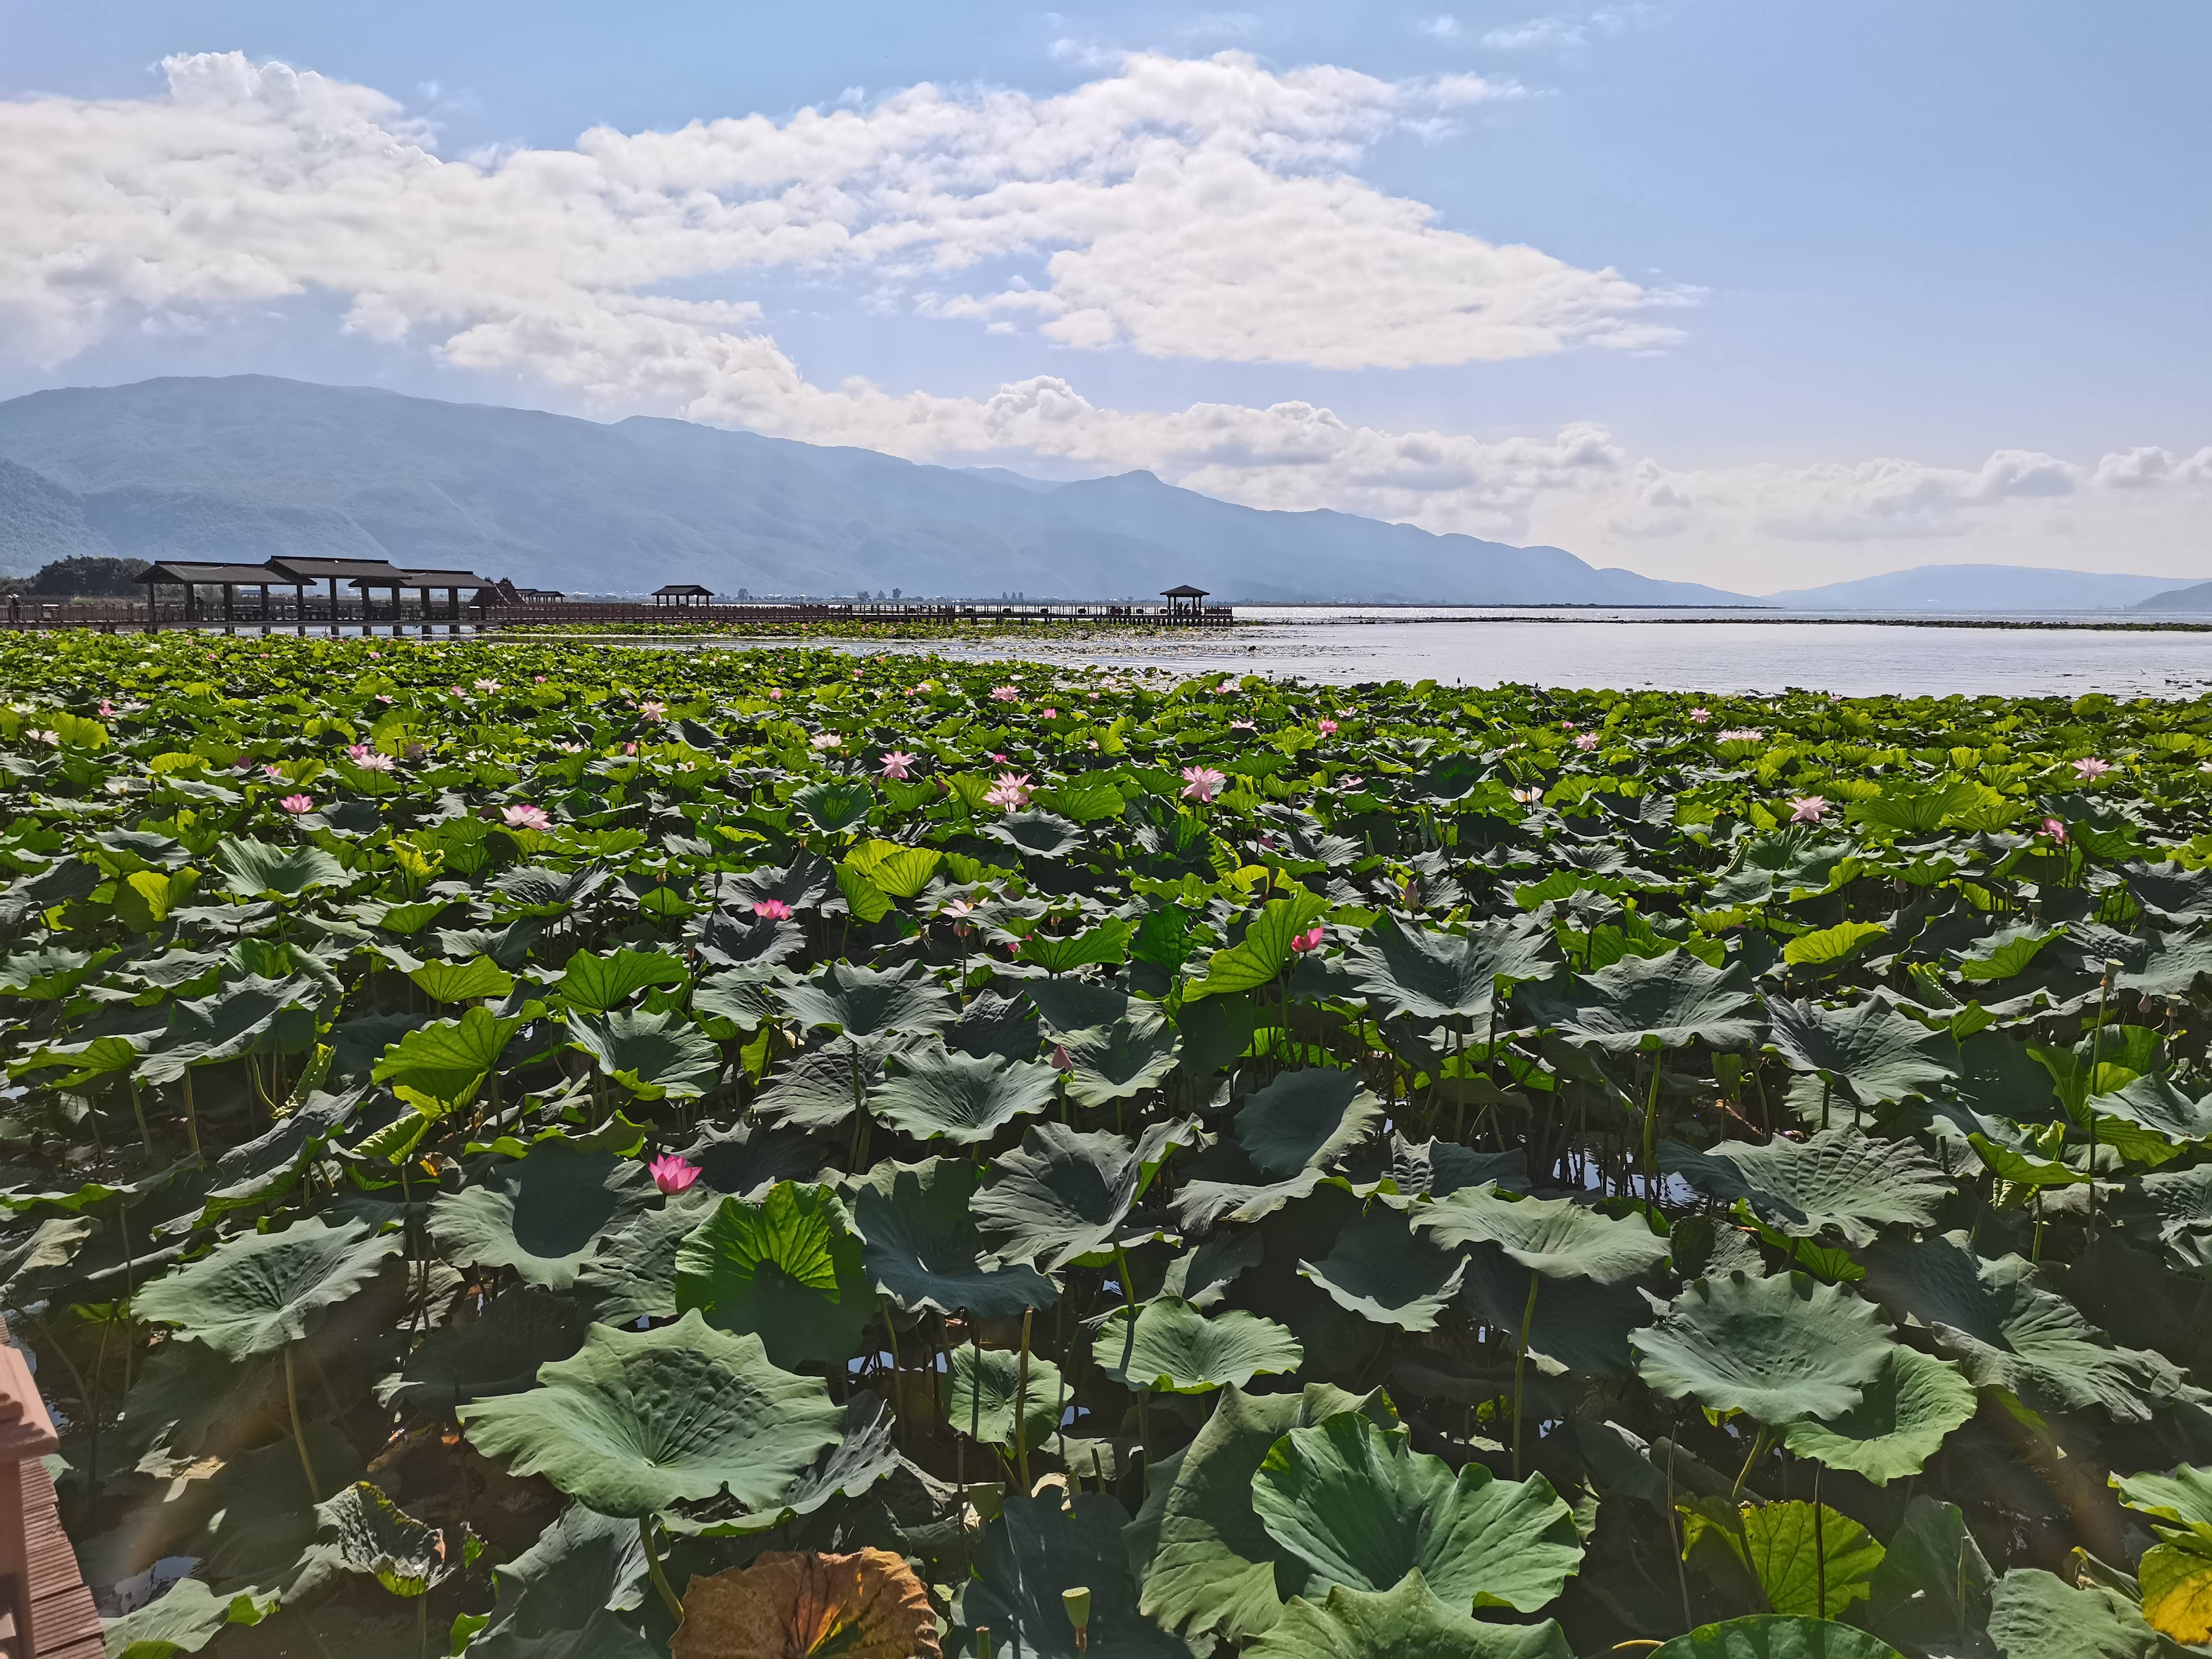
1977 587
243 467
2196 597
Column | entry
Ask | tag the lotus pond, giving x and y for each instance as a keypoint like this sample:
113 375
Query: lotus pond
528 1149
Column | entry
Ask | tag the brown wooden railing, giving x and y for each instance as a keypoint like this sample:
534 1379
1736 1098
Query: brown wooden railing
45 1611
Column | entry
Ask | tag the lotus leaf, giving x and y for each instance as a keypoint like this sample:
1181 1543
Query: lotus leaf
1666 1002
640 1421
656 1056
1556 1237
1775 1349
1170 1346
1776 1635
1035 1550
254 1292
934 1094
1406 1622
498 1351
1305 1119
1064 1194
563 1597
544 1215
1899 1423
867 1605
922 1248
979 1387
1405 969
787 1269
1381 1271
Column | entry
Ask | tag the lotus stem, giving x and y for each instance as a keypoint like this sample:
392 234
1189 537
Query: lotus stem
192 1116
1021 1405
898 1416
299 1435
138 1111
1520 1360
1651 1143
1758 1449
654 1568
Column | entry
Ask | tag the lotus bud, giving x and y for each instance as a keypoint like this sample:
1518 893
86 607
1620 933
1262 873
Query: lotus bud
983 1642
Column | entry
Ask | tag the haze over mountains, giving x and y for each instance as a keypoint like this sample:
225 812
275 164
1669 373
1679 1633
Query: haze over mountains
1980 587
245 467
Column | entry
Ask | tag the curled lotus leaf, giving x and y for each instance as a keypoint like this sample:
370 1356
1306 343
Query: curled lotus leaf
868 1002
655 1055
1668 1001
1876 1052
1839 1178
787 1269
1898 1426
1382 1270
640 1421
867 1605
544 1215
1362 1510
1776 1349
935 1094
1403 968
1404 1622
922 1250
979 1389
1065 1195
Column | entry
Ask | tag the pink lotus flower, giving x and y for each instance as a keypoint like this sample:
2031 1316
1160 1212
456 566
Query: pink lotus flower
1701 715
775 694
653 710
1566 726
772 909
298 803
368 759
384 696
1353 782
1200 782
527 817
1327 728
957 911
106 709
672 1174
1003 694
825 740
1009 790
2089 769
1048 713
1243 725
537 679
1061 1060
1587 740
630 749
995 756
1738 734
1807 809
2055 830
487 685
455 689
1410 894
1225 688
897 764
1309 941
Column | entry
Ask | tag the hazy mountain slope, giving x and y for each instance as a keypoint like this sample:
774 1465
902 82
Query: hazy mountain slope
2196 597
248 467
1979 587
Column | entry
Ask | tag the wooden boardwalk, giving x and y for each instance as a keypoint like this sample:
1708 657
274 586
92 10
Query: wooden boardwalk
64 1624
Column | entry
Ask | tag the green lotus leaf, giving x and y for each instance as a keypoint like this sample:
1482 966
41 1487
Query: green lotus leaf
1265 949
184 1620
1668 1001
1831 947
2034 1614
901 872
251 1016
563 1597
1556 1237
1900 1423
1073 1007
1932 1589
1036 835
1306 1119
1036 1549
1580 1324
640 1421
788 1269
255 869
463 981
2004 1330
1775 1349
1202 1277
1381 1271
934 1094
1401 969
544 1215
1119 1062
821 1088
1064 1194
984 1395
1063 953
656 1056
1362 1510
593 984
254 1292
439 1067
922 1247
1809 1562
374 1536
1215 1571
632 1276
865 1453
2184 1497
1840 1178
834 806
497 1352
1407 1622
1774 1635
867 1002
1878 1053
1170 1347
2176 1579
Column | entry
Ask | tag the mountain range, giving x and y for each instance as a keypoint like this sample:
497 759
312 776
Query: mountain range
1979 587
243 467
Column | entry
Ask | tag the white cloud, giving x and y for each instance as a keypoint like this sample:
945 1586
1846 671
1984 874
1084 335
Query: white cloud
1442 28
1206 210
1562 33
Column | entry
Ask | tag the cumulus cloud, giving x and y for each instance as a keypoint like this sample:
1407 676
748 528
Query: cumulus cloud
1207 208
1561 33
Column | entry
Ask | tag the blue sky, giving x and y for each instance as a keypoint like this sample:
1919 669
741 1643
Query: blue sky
1804 292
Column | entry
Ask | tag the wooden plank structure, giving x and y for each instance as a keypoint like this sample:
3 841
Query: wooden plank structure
45 1611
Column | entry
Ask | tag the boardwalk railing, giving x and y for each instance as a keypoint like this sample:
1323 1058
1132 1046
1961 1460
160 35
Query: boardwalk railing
45 1611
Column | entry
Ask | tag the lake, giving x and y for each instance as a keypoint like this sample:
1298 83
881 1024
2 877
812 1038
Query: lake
1685 651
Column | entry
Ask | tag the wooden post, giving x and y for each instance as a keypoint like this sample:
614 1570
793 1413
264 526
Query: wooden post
26 1433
